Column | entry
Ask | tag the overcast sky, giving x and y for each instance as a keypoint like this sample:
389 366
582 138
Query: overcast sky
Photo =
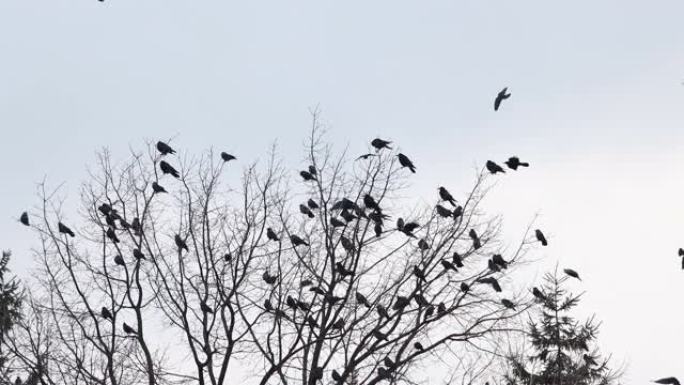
596 108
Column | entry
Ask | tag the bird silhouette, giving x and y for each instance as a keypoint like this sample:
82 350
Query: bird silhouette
24 219
168 169
111 234
303 305
105 209
205 308
491 281
305 282
493 167
401 303
572 273
419 347
379 144
360 298
508 304
404 161
540 237
458 211
365 156
336 376
464 287
493 266
538 294
227 257
180 243
476 240
347 244
501 96
307 176
443 211
267 305
109 219
119 260
498 260
429 311
445 195
421 300
105 313
456 258
270 234
680 252
342 270
370 202
344 204
441 309
138 254
312 170
128 330
377 216
312 204
135 225
378 229
227 157
290 302
514 162
382 312
423 245
164 148
64 229
268 278
157 188
379 335
337 223
347 216
419 273
296 241
389 363
306 211
448 265
410 227
667 381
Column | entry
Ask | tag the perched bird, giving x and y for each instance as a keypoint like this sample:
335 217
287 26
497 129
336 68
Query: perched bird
419 347
268 278
538 294
135 225
365 156
296 241
667 381
443 211
501 96
377 217
127 329
382 312
24 219
493 266
105 313
370 202
312 204
476 240
410 227
312 170
111 234
227 257
306 211
124 225
336 376
227 157
317 290
379 144
119 260
342 270
110 221
423 245
498 260
312 321
347 244
493 167
157 188
389 363
445 195
360 298
572 273
448 265
205 308
514 162
62 228
180 243
168 169
164 148
305 282
377 229
291 302
270 234
464 287
347 216
441 308
419 273
383 373
456 258
337 223
508 304
138 254
491 281
307 176
429 311
540 237
344 204
303 305
401 303
331 299
404 161
420 300
267 305
379 335
680 252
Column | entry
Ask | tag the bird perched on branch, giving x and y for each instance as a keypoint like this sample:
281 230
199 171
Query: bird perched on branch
445 195
227 157
24 219
476 240
138 254
168 169
306 211
157 188
180 243
105 313
205 308
128 330
164 148
501 96
540 237
404 161
64 229
379 144
312 204
270 234
538 294
572 273
119 260
443 211
491 281
296 241
268 278
360 298
493 167
508 304
307 176
111 234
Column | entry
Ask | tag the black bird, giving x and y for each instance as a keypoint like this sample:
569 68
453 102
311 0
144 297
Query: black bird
420 300
306 211
312 321
379 335
419 273
383 373
62 228
127 329
168 169
110 221
305 282
464 287
360 298
180 243
441 308
205 308
347 244
370 202
667 381
476 240
410 226
429 311
347 216
508 304
401 303
267 305
307 176
331 299
119 260
443 211
445 195
493 167
135 225
382 312
303 305
491 281
317 290
365 156
378 229
514 162
680 252
104 208
501 96
338 325
164 148
227 157
291 302
270 234
458 261
572 273
458 211
105 313
423 245
342 270
400 224
419 347
336 376
124 225
404 161
157 188
138 254
336 222
312 204
389 363
344 204
538 294
227 257
448 265
540 237
24 219
379 144
312 170
498 259
268 278
377 216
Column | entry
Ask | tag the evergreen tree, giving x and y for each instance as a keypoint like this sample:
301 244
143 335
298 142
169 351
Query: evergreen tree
563 351
10 311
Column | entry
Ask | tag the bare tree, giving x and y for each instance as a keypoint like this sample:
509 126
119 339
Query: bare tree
331 278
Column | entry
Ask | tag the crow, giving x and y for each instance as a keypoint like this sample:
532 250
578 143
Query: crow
540 237
307 176
377 216
493 266
448 265
119 260
168 169
135 225
498 259
104 208
370 202
360 298
227 157
382 336
312 204
382 312
491 281
138 254
379 144
296 241
538 294
164 148
157 188
378 229
270 234
476 240
312 170
401 303
423 245
303 305
572 273
456 258
24 219
110 221
268 278
389 363
365 156
347 216
227 257
458 211
305 282
205 308
493 167
336 222
105 313
443 211
667 381
513 163
508 304
336 376
128 330
410 227
445 195
180 243
291 302
429 311
404 161
419 273
306 211
464 287
267 305
419 347
441 308
62 228
501 96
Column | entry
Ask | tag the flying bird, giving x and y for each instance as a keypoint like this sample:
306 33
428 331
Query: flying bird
667 381
64 229
501 96
540 237
168 169
445 195
270 234
379 144
493 167
572 273
404 161
227 157
157 188
378 229
513 163
24 219
164 148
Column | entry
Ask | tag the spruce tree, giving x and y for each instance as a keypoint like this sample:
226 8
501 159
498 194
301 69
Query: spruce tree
10 311
563 349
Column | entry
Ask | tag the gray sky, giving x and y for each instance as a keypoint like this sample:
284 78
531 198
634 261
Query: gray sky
596 108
